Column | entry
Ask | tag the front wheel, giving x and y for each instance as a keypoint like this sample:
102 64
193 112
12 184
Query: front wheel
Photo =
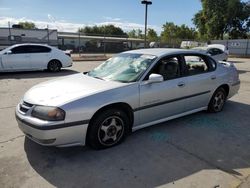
108 129
217 101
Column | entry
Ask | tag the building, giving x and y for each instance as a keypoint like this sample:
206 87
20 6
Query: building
10 36
68 41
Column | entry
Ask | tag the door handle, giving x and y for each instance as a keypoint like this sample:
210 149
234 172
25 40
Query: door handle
213 77
181 84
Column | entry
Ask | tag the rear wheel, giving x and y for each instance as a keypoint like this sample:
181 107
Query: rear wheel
54 66
108 129
217 101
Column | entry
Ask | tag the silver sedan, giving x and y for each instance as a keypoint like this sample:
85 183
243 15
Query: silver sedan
129 91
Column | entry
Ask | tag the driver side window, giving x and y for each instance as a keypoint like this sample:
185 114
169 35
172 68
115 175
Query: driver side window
168 67
20 50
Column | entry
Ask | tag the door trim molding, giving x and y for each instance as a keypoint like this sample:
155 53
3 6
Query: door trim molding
169 101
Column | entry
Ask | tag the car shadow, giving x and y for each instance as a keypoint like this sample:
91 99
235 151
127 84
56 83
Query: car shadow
242 71
36 74
153 156
236 62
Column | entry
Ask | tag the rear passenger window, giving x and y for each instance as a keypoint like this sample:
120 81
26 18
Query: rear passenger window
195 65
215 51
212 63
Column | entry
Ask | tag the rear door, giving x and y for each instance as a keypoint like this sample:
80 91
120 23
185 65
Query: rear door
39 56
18 59
201 79
163 99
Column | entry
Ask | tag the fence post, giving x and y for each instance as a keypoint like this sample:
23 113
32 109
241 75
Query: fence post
79 38
104 43
247 47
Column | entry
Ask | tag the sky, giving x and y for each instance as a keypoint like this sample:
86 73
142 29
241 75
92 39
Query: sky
66 15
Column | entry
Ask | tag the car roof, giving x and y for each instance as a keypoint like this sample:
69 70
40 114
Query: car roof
30 44
163 51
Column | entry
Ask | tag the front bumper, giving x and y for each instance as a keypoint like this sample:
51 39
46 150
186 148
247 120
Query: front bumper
61 135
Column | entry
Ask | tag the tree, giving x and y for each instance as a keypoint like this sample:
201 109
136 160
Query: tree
135 33
174 34
27 25
108 30
219 17
152 35
238 19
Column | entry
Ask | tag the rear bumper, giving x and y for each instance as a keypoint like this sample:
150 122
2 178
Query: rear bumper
54 135
70 65
234 88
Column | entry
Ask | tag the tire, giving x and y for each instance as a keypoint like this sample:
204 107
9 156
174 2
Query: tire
108 128
54 66
217 101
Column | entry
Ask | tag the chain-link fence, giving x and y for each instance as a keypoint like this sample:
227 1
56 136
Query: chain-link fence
84 43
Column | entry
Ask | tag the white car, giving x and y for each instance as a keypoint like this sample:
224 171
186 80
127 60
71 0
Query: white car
28 57
130 91
217 51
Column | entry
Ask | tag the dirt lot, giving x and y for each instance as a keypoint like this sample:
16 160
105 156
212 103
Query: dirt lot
200 150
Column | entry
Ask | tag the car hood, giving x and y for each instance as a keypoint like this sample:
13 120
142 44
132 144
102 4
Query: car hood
63 90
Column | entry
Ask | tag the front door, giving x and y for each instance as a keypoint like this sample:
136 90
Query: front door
166 98
17 59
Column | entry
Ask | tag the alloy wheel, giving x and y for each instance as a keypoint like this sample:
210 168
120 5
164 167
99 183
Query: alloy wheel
111 131
219 100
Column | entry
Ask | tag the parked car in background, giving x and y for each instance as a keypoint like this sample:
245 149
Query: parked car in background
28 57
217 51
68 52
189 44
129 91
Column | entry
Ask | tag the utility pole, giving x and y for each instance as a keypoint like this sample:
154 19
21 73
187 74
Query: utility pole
146 3
9 31
48 33
79 42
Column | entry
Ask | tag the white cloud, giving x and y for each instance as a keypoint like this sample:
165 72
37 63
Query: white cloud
62 25
4 8
112 19
59 25
127 26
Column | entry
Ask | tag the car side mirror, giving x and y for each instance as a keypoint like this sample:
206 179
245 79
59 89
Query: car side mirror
155 78
8 52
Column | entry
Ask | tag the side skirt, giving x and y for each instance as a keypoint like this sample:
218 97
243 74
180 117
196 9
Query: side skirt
168 118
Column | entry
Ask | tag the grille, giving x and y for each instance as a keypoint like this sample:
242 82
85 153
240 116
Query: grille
24 107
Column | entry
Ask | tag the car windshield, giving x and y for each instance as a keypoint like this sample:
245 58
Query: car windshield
126 67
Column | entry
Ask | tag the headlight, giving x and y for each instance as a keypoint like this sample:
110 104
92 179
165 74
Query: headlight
48 113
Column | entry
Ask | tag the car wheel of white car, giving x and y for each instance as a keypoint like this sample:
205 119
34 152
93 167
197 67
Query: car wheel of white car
54 66
108 129
218 100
